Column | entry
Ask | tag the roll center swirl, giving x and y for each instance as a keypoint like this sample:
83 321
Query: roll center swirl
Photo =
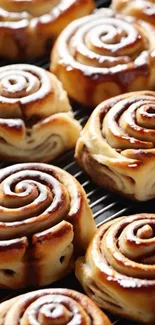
17 84
57 310
106 41
129 247
130 123
33 198
145 232
54 313
52 307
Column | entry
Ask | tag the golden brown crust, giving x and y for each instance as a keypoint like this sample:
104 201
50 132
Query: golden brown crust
141 9
29 28
103 55
44 215
116 147
118 271
36 122
52 306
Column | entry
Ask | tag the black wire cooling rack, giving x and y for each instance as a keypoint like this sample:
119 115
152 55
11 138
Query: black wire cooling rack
105 205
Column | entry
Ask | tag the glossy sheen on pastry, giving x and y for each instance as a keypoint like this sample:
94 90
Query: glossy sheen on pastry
103 55
118 272
36 122
51 306
141 9
116 147
29 27
44 216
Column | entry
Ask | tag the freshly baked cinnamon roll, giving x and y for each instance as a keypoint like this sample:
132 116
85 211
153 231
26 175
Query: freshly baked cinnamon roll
141 9
117 145
103 55
29 27
36 122
45 220
118 272
51 306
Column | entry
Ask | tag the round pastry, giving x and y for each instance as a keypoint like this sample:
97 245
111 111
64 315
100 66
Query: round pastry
29 27
36 122
103 55
45 220
141 9
118 272
51 306
117 145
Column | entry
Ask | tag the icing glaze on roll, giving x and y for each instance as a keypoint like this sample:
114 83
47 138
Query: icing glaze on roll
52 306
109 53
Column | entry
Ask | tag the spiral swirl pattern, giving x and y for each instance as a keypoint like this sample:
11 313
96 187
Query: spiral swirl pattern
52 306
36 122
29 28
109 53
41 209
118 272
24 83
142 9
116 147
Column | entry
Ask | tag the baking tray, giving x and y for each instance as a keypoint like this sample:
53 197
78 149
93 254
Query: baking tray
105 205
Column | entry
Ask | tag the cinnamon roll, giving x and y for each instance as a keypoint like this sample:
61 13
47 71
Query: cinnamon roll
51 306
29 27
141 9
117 145
118 271
45 221
36 122
103 55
